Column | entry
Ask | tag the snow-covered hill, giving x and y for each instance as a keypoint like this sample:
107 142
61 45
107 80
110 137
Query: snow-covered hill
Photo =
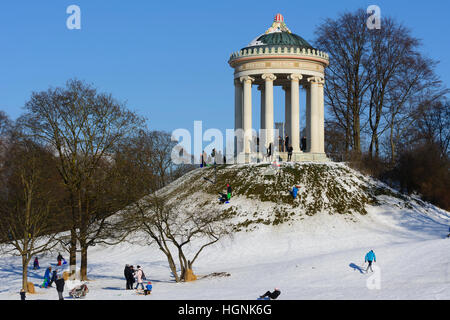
312 247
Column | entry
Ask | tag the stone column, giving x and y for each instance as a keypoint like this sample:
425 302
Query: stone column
308 118
287 112
294 135
263 106
237 115
268 125
321 117
247 112
315 115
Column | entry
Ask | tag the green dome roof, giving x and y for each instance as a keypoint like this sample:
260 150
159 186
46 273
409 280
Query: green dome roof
279 35
284 38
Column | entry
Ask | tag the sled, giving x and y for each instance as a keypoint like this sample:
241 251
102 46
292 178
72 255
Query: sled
143 292
79 291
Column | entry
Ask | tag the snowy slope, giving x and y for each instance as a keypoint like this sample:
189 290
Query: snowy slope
309 256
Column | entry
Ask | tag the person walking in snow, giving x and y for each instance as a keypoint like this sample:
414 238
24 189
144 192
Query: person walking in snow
370 257
36 263
139 275
272 295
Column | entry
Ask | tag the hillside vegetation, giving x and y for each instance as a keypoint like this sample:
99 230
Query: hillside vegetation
261 192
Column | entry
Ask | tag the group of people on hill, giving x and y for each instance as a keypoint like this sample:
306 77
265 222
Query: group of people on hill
216 157
136 275
51 277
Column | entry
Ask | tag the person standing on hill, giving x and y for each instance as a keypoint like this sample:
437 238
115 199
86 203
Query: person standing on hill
294 191
228 192
269 151
139 277
289 150
370 257
60 287
22 295
47 276
59 259
303 144
36 263
132 272
128 272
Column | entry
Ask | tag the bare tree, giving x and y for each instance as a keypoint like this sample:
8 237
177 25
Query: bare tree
347 81
28 201
173 228
376 79
82 126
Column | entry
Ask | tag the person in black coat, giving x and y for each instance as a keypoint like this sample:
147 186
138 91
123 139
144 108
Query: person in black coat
22 295
303 144
54 277
272 295
290 150
60 287
128 277
269 151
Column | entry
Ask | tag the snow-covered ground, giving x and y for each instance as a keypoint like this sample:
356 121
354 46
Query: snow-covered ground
320 257
309 257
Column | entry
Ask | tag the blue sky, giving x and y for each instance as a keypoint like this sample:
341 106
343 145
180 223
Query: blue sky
168 59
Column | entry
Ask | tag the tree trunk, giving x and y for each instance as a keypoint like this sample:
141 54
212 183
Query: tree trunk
173 267
25 272
84 262
356 134
73 241
391 138
73 253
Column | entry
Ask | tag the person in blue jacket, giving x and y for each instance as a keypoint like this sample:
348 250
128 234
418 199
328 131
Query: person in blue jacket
47 277
294 192
370 257
148 288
